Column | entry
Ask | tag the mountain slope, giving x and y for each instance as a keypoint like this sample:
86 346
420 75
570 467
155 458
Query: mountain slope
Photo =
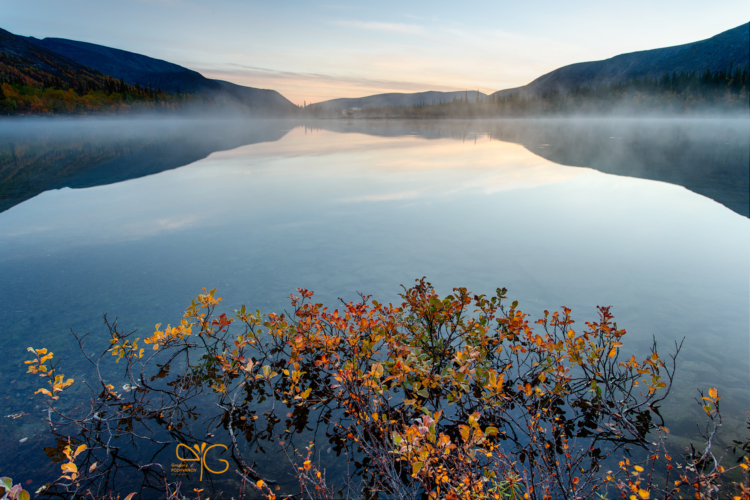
135 68
398 99
130 67
23 60
726 49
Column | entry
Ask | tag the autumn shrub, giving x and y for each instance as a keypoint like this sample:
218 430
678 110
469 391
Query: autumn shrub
452 397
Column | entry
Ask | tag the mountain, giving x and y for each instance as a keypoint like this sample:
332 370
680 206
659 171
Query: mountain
135 68
397 99
38 62
717 53
130 67
21 59
725 50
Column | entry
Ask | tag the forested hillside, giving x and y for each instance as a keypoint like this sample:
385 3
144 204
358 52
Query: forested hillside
723 52
36 80
58 76
147 71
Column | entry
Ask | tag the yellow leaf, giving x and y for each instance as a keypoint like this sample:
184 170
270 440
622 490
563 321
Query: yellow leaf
713 393
69 467
613 353
638 468
643 494
260 483
129 497
79 450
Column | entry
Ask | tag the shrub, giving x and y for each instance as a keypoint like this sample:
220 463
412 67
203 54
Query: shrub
457 397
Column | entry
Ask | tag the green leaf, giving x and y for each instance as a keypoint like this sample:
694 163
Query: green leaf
24 495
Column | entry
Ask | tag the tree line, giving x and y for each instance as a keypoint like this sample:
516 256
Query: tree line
54 96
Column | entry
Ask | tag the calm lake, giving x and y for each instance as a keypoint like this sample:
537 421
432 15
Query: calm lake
134 217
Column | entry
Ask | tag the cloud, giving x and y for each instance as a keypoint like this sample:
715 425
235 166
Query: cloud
408 29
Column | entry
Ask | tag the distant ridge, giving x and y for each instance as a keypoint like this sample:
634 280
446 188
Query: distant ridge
725 50
135 68
730 48
398 99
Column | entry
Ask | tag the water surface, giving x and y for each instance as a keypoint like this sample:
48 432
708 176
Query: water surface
134 218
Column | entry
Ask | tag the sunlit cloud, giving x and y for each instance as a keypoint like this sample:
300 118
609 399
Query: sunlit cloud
315 87
406 58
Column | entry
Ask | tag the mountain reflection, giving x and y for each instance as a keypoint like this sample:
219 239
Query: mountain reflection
37 156
708 157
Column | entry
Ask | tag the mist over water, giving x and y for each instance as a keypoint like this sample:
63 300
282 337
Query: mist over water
134 217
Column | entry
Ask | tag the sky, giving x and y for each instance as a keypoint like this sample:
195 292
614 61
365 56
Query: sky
314 51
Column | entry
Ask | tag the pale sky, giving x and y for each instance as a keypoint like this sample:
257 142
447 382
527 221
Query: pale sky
314 51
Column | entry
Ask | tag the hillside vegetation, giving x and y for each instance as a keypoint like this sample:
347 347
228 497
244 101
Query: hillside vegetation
57 76
729 49
36 80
